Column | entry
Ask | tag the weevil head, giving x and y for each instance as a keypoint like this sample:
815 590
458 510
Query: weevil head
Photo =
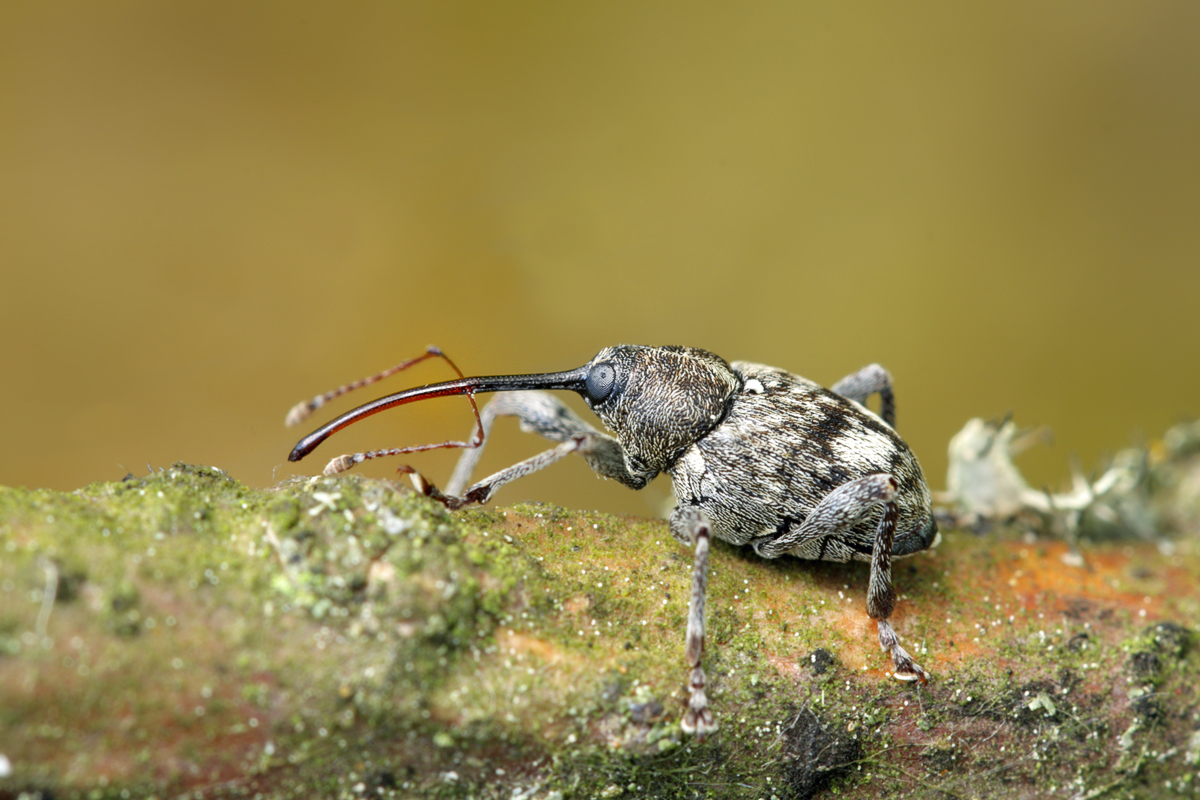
658 400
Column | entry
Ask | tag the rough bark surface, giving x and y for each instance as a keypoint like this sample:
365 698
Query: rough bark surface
183 635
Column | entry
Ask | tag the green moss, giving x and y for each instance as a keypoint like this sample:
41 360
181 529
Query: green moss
336 633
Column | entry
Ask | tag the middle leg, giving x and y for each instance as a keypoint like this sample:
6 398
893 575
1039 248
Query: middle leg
690 525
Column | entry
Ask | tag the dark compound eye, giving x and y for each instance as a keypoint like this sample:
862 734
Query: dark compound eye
600 381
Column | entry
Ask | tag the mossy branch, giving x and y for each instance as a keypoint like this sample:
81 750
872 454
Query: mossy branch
345 637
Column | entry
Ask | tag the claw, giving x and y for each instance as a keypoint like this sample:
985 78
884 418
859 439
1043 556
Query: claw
698 720
906 668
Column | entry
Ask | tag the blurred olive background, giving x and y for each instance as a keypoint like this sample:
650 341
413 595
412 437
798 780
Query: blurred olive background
212 210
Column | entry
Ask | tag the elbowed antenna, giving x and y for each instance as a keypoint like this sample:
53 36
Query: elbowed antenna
573 380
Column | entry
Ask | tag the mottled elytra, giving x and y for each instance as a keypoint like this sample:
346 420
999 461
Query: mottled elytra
758 456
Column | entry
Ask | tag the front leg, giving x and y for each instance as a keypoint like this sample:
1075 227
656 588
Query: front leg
537 412
828 526
481 492
540 413
691 526
546 415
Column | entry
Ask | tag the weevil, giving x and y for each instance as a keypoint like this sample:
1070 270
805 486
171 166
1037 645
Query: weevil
757 455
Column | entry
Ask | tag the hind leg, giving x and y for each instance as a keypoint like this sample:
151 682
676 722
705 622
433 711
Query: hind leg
867 381
822 535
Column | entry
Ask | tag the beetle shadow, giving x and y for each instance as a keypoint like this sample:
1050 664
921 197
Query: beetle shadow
825 575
